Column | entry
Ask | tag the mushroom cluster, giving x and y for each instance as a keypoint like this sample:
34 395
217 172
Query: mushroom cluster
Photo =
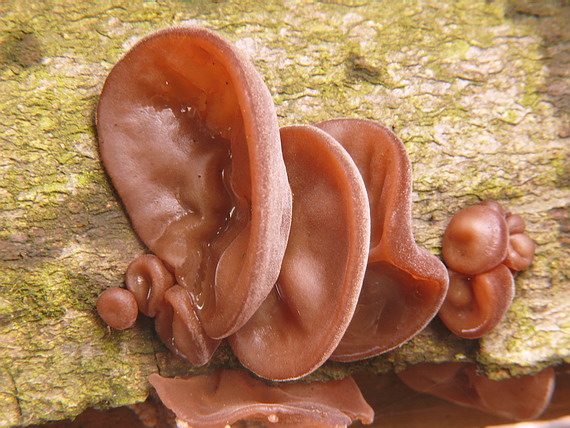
294 244
522 397
481 246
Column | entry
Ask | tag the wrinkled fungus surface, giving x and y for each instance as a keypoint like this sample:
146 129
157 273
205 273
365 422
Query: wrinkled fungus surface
404 284
189 136
303 319
223 397
523 397
481 246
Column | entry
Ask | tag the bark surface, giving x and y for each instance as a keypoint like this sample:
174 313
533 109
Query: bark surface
479 91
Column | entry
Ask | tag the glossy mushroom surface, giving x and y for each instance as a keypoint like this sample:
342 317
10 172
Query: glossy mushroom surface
306 314
404 284
475 240
481 245
523 397
476 304
189 136
224 397
176 323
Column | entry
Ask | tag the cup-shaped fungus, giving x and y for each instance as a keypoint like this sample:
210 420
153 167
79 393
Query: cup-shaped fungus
475 304
303 319
189 136
221 398
404 284
522 397
475 240
479 246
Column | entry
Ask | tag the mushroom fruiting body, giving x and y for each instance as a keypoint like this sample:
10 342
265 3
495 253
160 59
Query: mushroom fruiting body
522 397
223 397
303 319
118 308
189 136
404 284
479 246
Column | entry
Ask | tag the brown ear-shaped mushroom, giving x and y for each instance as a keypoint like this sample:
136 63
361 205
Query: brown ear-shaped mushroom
148 279
475 240
152 286
189 136
479 246
476 304
404 284
221 398
523 397
521 248
304 317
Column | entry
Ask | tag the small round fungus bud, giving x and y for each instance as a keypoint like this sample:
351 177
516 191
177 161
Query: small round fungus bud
475 240
520 252
516 224
118 308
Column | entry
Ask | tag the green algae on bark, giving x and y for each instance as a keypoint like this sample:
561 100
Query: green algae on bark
477 91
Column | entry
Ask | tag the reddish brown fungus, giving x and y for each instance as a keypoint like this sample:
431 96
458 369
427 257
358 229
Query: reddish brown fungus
520 252
475 240
186 337
148 279
118 308
221 398
404 284
303 319
189 136
523 397
476 304
479 246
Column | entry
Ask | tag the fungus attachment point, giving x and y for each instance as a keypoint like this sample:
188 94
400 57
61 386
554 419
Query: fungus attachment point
404 284
479 246
224 397
189 136
521 398
303 319
118 308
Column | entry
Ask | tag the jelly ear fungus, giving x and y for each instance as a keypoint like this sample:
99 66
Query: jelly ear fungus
221 398
481 245
521 398
404 284
303 319
189 136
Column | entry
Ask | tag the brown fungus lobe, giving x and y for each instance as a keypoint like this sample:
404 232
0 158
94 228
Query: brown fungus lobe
118 308
476 304
189 136
148 279
221 398
480 245
523 397
305 316
475 240
404 284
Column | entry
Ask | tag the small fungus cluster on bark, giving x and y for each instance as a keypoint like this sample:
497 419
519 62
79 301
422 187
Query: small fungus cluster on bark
481 246
293 244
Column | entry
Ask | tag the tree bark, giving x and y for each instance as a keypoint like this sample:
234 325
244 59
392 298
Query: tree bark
478 91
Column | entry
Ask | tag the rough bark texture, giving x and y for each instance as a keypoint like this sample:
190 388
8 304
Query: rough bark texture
478 90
